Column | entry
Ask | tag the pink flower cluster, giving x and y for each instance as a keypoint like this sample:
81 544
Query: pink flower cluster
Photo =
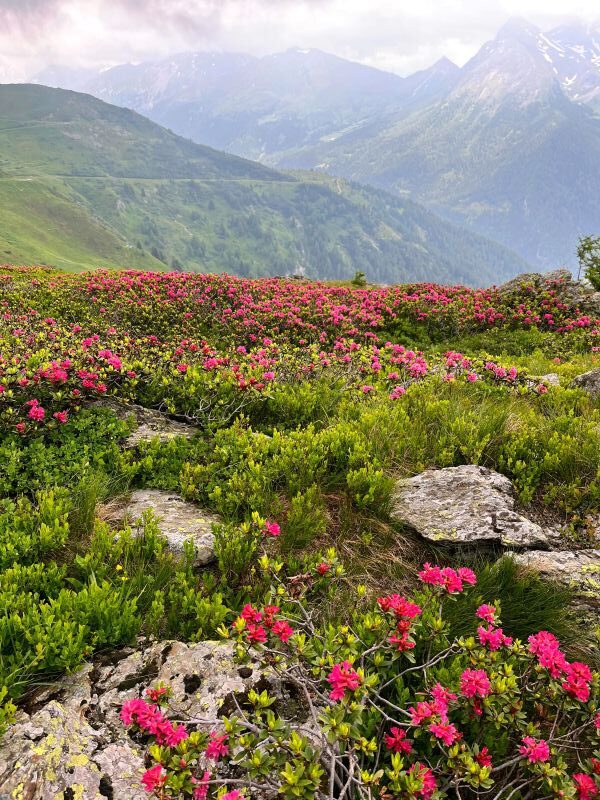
271 529
154 778
427 779
486 612
435 712
493 638
576 676
451 580
534 750
475 683
255 624
404 612
150 719
216 747
343 678
586 786
396 741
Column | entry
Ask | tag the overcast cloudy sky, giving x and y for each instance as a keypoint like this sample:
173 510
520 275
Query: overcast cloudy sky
398 35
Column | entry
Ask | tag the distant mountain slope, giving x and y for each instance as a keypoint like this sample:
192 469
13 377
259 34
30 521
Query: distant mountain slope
574 52
505 153
507 146
63 132
85 183
259 107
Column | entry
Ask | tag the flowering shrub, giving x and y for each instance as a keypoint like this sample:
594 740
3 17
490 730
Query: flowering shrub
391 706
307 401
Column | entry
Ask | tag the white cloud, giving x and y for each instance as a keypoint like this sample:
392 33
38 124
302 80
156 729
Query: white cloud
396 35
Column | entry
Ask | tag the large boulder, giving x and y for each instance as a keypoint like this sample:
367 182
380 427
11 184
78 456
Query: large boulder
589 381
591 304
71 744
577 294
560 279
577 569
178 520
150 423
59 752
465 505
203 677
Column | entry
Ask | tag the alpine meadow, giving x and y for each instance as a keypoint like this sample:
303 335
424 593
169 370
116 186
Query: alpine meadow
299 400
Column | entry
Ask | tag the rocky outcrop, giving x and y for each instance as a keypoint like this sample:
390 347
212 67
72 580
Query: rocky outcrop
577 569
591 304
150 423
56 753
178 520
589 381
577 294
551 379
465 505
72 745
560 277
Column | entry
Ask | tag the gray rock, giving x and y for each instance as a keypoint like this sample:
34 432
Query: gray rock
67 753
552 379
591 304
75 744
150 423
578 294
464 505
203 678
578 569
589 381
178 521
562 277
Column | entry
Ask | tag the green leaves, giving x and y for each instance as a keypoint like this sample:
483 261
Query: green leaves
30 531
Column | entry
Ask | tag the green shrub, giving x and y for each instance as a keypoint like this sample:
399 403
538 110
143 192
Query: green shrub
235 549
306 520
191 613
29 532
7 710
88 443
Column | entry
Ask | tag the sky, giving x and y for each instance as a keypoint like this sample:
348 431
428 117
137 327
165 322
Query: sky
401 36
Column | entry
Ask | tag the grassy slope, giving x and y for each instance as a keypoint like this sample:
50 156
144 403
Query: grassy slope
87 184
42 222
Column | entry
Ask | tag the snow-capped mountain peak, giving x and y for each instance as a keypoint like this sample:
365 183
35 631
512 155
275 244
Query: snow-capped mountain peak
574 53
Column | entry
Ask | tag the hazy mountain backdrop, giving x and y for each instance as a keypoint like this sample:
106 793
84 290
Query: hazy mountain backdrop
84 183
507 146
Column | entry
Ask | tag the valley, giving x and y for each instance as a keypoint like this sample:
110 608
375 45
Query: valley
89 184
506 146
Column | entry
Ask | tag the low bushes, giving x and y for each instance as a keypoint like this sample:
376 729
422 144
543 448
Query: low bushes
394 706
62 596
308 401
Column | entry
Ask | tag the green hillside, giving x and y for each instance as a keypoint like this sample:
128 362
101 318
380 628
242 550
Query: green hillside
87 184
56 132
42 221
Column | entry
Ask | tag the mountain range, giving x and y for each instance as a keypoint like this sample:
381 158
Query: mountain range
88 184
507 145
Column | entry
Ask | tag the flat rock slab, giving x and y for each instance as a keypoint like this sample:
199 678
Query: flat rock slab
589 381
203 678
552 379
465 505
178 521
150 423
74 744
577 569
57 754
